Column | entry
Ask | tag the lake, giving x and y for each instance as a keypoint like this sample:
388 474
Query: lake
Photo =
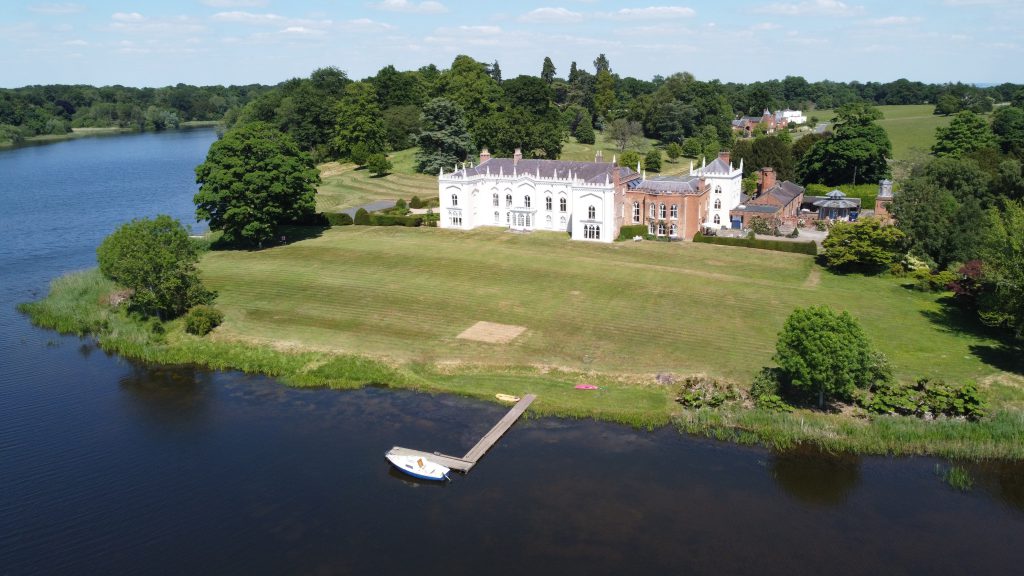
108 466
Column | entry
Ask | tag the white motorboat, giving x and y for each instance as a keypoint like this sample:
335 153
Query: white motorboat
418 467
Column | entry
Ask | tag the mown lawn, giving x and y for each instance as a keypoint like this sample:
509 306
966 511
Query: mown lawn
344 186
627 308
910 127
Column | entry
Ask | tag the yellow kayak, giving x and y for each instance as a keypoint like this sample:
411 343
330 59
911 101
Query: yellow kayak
507 397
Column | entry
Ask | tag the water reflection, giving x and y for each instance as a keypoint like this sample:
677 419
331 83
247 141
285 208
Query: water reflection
815 477
1004 480
178 395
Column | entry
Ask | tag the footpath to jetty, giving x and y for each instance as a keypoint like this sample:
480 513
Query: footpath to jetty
466 463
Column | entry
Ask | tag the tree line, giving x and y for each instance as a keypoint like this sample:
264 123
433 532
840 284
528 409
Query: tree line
56 109
332 116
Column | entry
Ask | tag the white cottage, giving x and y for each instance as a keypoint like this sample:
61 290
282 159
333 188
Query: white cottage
584 199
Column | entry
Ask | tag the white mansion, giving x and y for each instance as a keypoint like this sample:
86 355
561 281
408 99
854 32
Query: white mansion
588 200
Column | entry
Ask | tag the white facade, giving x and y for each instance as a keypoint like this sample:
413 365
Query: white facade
726 186
528 200
790 116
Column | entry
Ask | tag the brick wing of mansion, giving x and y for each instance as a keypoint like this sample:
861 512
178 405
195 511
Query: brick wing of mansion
589 200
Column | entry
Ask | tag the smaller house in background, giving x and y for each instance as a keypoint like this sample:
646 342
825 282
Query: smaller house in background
776 202
747 124
780 120
787 117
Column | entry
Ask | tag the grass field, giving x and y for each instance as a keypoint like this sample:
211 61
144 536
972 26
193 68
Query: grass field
911 127
637 308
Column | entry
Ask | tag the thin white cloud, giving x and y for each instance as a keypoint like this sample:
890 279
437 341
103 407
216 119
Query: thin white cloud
426 7
76 43
893 21
249 18
57 9
766 26
820 7
366 25
978 2
136 23
302 31
653 12
236 3
270 19
127 17
551 16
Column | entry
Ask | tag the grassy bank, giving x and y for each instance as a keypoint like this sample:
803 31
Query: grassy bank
345 186
359 305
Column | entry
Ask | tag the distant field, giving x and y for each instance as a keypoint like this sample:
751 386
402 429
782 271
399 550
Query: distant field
910 127
635 308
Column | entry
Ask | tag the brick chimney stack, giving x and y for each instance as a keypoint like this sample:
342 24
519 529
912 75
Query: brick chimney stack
724 156
767 179
485 155
517 156
598 156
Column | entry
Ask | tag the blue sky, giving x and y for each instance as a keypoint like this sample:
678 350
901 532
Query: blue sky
148 43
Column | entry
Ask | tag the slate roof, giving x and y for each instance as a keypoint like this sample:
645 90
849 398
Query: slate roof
783 192
717 167
591 172
810 200
668 185
759 208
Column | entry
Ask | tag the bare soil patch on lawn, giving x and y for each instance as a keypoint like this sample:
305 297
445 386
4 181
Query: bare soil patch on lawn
491 332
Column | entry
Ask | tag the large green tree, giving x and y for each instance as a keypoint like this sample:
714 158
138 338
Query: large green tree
763 151
824 354
359 121
1002 252
469 84
857 151
1008 126
967 132
604 89
547 71
865 245
445 139
155 260
941 209
254 179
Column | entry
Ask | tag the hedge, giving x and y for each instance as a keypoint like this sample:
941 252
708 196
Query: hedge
392 220
338 219
628 232
809 248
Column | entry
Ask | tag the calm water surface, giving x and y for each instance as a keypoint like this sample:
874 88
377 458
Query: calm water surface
111 467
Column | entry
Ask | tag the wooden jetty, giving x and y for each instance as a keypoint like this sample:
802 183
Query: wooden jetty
466 463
